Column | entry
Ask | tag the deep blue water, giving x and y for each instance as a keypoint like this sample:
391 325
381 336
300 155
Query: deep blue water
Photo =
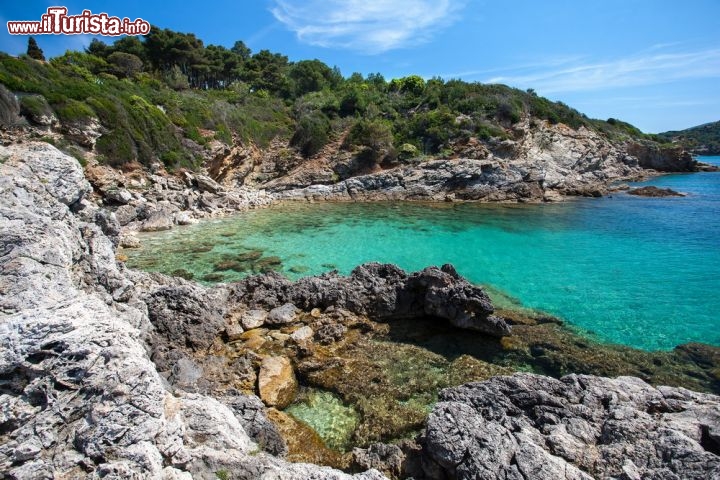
639 271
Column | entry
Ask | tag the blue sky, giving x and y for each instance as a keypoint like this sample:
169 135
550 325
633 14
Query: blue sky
654 63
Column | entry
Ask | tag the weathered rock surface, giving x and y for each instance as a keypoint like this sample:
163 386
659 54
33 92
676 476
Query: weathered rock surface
578 427
661 158
383 292
80 397
281 315
253 319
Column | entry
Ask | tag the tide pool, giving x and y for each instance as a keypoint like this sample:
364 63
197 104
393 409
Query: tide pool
644 272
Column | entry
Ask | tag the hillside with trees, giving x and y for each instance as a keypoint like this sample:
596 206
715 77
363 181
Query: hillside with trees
701 140
165 96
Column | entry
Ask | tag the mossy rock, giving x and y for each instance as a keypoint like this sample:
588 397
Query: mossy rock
230 265
299 269
269 261
182 273
250 256
213 277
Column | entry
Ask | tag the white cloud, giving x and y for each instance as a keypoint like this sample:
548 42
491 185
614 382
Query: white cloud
369 26
639 70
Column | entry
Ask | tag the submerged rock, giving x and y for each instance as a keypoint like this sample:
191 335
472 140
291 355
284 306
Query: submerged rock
578 427
250 256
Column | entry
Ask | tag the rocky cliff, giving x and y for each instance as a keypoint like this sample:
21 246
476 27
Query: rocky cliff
98 377
540 162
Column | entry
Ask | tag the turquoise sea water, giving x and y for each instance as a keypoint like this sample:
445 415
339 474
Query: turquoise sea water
639 271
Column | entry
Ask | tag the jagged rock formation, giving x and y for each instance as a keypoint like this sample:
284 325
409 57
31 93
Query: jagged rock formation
579 427
673 159
383 292
80 396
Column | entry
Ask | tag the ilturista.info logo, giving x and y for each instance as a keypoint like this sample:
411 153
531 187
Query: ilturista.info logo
57 22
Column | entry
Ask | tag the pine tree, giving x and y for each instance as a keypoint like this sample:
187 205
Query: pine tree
34 51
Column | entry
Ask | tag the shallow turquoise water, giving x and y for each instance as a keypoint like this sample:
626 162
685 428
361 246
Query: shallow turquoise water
643 272
328 416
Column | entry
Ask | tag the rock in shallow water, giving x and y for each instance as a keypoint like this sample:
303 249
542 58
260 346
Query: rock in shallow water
651 191
277 384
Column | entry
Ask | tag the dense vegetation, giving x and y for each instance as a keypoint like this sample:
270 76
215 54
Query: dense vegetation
158 95
703 139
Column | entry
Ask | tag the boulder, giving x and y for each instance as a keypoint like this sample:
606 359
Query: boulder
282 315
253 319
184 218
186 314
207 184
158 221
234 332
118 196
276 382
129 241
302 334
126 214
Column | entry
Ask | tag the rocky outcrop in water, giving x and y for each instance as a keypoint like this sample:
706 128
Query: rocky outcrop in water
662 158
382 292
579 427
651 191
80 396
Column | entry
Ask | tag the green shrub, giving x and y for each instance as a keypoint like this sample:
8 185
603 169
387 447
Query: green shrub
73 110
312 133
35 106
116 148
374 135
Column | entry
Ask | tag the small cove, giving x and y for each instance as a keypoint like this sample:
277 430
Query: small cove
642 272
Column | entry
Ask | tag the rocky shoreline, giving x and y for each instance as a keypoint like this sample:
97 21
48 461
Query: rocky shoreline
114 373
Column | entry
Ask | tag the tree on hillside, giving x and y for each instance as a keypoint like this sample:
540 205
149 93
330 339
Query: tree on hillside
131 45
34 51
98 48
311 76
125 64
241 50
